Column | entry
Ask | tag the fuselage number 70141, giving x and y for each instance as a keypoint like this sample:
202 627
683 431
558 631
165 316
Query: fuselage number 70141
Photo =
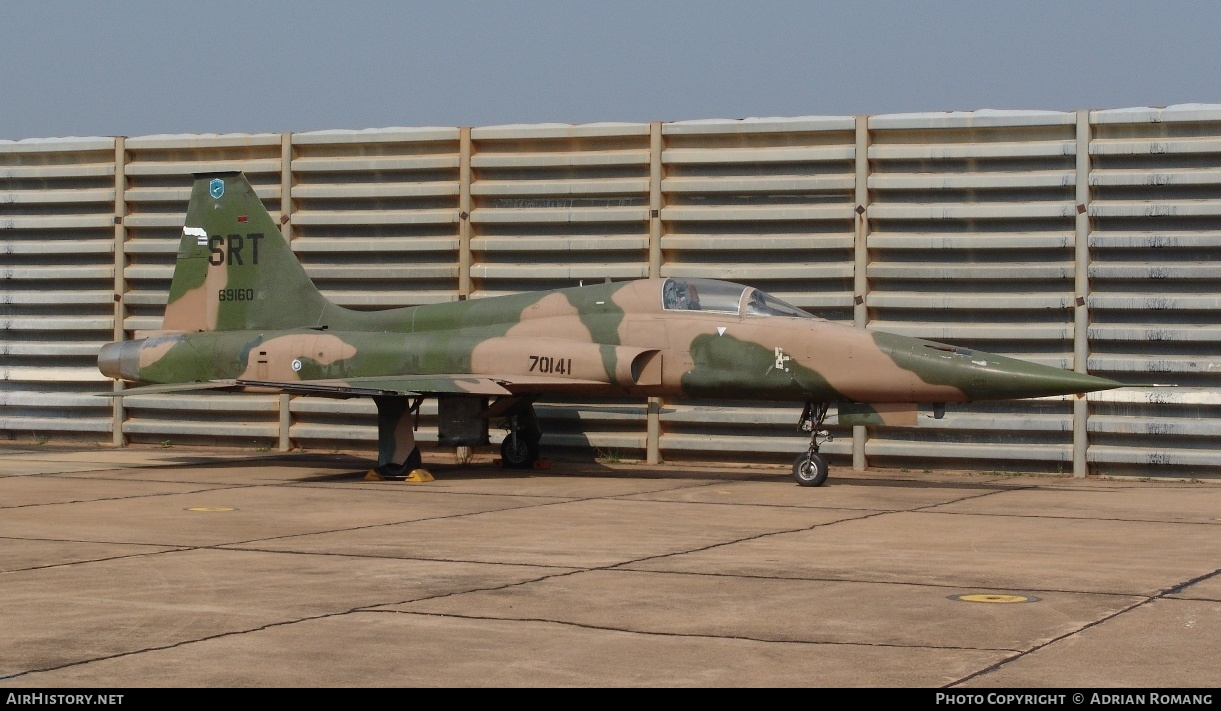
545 364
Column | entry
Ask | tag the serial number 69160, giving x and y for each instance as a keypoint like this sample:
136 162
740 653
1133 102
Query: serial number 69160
235 294
544 364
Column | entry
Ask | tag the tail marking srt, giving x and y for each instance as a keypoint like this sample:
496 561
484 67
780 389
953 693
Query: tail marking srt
234 270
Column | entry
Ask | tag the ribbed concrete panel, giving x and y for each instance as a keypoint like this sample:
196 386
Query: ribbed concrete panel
765 202
972 242
558 205
158 171
57 211
1155 245
375 214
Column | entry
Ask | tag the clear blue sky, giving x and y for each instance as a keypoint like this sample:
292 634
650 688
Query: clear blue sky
140 67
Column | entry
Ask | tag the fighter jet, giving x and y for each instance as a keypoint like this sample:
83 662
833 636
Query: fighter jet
243 315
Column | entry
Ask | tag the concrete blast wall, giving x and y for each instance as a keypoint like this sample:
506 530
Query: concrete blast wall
1080 240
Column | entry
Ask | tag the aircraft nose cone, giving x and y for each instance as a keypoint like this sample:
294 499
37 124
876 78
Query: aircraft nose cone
986 376
1025 380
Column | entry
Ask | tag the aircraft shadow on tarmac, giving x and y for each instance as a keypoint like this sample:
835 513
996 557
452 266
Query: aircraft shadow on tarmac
594 469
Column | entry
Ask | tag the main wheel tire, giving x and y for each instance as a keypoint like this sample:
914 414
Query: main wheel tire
518 452
811 469
400 471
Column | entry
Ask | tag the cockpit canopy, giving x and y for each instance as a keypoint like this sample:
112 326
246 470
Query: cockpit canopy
724 297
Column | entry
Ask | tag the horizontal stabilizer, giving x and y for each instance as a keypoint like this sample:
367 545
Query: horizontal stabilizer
171 388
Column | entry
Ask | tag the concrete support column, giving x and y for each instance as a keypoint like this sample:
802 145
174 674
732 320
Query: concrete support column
653 431
655 177
653 414
860 283
464 214
1081 292
286 422
286 228
465 230
118 412
286 186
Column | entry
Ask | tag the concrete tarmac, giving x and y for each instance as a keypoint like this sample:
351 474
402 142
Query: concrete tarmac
186 567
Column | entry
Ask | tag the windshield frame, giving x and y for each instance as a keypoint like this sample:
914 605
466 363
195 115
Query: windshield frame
714 296
702 295
769 306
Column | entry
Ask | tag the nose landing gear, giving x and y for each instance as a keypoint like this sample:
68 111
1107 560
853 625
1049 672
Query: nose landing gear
810 468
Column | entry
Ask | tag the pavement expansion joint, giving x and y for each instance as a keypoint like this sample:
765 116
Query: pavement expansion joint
627 567
389 523
384 606
1043 645
765 534
1093 623
181 643
1005 514
1186 584
242 548
69 564
686 635
130 497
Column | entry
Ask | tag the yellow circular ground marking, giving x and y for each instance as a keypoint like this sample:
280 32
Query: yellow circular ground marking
994 598
211 509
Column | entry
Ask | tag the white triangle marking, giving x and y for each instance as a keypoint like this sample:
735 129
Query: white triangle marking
720 330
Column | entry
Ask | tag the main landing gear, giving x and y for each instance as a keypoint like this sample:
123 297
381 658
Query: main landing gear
397 453
810 468
519 450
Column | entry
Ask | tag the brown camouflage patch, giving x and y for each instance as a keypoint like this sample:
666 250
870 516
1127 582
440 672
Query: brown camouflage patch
639 297
851 362
273 359
555 358
198 309
552 316
150 354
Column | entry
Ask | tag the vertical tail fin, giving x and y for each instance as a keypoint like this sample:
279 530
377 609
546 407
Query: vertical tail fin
234 269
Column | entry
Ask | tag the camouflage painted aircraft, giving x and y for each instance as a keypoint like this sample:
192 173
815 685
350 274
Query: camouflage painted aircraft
243 315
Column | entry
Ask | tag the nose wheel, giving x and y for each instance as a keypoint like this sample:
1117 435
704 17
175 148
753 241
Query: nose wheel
810 468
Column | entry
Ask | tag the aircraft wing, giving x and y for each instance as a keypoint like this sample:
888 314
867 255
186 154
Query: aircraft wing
384 385
423 385
462 384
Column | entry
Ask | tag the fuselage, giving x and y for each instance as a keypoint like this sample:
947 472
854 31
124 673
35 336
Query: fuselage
635 338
